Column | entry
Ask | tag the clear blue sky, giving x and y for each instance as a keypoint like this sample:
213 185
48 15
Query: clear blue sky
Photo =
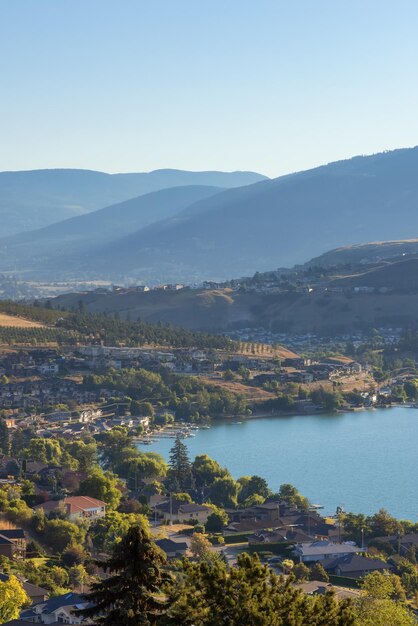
267 85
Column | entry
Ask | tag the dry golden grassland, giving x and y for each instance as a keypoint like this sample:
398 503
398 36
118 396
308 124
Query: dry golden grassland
18 322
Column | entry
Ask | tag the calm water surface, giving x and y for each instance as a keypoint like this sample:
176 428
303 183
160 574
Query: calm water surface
362 461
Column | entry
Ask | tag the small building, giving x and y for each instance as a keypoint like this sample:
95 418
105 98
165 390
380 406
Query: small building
315 551
173 549
183 511
12 543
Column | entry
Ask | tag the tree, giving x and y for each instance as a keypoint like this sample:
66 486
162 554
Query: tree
318 573
12 598
180 472
208 594
73 555
142 408
4 437
223 492
59 534
301 572
288 493
216 520
111 528
328 400
229 375
78 576
103 486
382 602
200 546
205 470
382 524
251 486
113 445
128 596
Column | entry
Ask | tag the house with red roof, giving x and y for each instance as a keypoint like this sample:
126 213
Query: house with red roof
75 508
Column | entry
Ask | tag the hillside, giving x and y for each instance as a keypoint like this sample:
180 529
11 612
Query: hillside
381 295
33 199
273 223
365 253
80 234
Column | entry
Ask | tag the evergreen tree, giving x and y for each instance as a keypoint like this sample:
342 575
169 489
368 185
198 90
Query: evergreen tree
129 596
207 594
180 473
4 437
318 573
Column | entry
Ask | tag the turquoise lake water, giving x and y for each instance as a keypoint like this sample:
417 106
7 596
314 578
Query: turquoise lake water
362 461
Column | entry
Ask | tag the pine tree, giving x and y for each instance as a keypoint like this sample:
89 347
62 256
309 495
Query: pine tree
180 473
129 596
4 437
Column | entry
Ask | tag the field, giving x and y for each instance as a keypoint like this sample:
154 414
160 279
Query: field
17 322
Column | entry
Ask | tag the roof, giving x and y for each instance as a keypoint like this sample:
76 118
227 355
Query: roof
31 590
317 548
408 539
49 606
73 504
356 563
168 545
19 622
12 533
312 587
194 508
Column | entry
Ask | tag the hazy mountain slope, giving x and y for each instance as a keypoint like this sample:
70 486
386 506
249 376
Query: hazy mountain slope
279 222
32 199
273 223
85 232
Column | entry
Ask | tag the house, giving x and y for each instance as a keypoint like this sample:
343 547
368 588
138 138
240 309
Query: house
400 543
56 610
12 543
173 549
75 508
314 587
35 593
183 511
48 369
312 552
356 566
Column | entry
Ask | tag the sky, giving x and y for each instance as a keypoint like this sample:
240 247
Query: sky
265 85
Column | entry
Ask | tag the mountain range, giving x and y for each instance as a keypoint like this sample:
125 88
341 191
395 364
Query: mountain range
232 232
36 198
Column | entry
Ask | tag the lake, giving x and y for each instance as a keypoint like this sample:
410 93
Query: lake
359 460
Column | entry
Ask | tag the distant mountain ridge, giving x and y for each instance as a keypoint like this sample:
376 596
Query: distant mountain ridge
81 235
35 198
271 223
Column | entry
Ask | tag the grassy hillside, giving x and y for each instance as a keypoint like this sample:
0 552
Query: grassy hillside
366 253
11 321
225 309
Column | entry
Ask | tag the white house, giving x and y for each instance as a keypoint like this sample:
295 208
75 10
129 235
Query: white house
56 610
314 551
